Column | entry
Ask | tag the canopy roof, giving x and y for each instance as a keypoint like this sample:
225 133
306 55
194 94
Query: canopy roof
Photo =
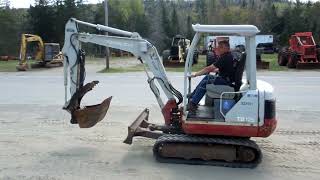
240 30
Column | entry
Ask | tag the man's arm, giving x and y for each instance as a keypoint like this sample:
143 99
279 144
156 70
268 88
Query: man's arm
206 70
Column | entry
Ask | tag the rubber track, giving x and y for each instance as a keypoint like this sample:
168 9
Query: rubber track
181 138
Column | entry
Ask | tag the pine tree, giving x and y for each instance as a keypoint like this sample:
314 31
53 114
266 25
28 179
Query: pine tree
41 18
166 24
189 28
201 9
174 21
4 4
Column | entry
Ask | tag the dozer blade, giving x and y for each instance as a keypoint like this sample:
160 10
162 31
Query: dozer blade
140 127
89 115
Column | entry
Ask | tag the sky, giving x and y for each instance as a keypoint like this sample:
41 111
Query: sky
26 3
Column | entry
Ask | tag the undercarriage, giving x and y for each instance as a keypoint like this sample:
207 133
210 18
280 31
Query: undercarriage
201 150
173 146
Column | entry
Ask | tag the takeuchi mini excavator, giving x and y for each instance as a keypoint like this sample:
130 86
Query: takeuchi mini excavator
217 134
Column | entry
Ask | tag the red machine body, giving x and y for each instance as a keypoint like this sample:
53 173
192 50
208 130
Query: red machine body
304 45
229 130
219 129
301 53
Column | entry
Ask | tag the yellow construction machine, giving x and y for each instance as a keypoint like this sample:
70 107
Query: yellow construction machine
177 54
46 54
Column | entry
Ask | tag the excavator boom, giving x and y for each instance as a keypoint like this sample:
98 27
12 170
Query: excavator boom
74 69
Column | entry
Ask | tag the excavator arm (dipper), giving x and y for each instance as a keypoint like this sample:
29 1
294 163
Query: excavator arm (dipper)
74 69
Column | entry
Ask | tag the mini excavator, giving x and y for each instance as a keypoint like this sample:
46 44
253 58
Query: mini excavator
218 133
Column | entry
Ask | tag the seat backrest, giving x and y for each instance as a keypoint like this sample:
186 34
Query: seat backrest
174 50
239 68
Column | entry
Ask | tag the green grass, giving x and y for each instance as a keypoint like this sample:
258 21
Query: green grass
201 64
136 68
273 59
8 66
93 59
196 67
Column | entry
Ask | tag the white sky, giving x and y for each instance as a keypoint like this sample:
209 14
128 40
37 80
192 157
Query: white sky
26 3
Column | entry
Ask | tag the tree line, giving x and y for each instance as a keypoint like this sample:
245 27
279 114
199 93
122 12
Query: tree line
156 20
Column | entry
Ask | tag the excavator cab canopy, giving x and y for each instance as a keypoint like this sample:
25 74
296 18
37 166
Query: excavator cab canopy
248 31
239 30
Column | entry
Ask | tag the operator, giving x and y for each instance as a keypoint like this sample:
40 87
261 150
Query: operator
224 67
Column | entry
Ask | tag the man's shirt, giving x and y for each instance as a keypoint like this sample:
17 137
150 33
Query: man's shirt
225 65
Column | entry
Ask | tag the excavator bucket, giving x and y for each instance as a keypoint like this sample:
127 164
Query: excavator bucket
87 116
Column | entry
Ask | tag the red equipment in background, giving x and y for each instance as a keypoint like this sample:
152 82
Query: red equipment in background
302 52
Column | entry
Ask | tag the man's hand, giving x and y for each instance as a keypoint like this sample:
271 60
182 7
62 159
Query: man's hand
193 75
204 71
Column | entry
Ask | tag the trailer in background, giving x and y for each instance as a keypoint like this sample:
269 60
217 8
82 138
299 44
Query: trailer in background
237 44
264 43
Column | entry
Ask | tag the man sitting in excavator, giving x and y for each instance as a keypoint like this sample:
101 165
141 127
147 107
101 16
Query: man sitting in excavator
224 68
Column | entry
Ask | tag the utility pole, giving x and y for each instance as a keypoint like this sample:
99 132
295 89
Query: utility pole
106 13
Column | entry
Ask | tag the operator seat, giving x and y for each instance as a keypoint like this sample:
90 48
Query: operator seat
215 91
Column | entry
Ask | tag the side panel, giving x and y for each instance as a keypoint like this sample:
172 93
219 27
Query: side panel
246 110
219 130
261 107
270 121
252 116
